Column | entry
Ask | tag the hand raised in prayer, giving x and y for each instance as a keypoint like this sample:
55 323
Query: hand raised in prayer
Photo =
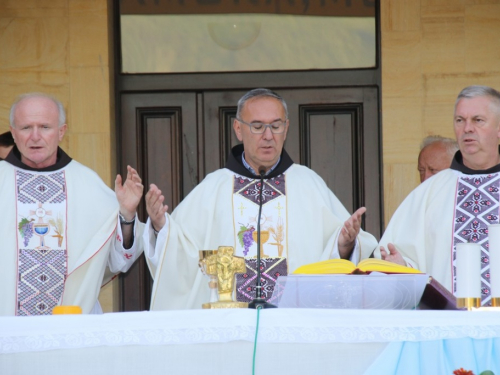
129 194
393 256
155 207
348 233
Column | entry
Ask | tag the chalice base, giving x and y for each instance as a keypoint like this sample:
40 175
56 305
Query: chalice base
225 305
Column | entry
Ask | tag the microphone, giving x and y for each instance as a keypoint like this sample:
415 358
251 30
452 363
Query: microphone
259 302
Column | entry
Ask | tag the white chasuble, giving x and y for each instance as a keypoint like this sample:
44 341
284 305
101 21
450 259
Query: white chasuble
454 206
59 236
300 223
41 241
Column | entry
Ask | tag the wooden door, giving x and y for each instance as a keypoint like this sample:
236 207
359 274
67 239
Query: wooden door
175 139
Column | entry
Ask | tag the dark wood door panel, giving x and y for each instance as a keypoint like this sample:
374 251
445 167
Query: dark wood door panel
371 154
161 152
218 115
327 149
160 139
351 165
300 98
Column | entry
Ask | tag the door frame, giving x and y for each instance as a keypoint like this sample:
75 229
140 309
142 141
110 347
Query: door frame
135 284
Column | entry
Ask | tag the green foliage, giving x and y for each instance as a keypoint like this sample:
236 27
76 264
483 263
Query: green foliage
242 231
21 225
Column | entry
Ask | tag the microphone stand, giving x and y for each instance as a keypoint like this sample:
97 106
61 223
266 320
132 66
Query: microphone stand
259 302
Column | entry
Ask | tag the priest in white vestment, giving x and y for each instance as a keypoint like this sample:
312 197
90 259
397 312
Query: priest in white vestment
457 204
302 221
61 225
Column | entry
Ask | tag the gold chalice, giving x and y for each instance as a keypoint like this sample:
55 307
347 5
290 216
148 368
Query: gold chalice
264 237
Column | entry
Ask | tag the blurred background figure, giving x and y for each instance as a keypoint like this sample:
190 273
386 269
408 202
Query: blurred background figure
436 153
6 144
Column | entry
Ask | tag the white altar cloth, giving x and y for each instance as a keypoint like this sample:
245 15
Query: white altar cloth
219 341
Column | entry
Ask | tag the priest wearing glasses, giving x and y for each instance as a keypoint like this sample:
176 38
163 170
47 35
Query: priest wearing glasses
302 221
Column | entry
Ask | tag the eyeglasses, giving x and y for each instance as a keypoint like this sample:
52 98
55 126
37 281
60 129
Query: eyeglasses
276 127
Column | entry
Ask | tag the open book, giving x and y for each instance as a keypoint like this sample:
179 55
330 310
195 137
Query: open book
343 266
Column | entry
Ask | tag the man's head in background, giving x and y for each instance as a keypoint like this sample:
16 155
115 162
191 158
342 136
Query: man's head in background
436 154
6 144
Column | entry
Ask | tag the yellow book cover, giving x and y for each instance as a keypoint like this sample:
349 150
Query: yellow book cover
343 266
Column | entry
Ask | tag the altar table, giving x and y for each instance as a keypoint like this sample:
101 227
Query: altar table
289 341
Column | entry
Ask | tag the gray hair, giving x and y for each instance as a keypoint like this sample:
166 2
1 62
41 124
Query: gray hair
450 145
20 98
471 92
260 93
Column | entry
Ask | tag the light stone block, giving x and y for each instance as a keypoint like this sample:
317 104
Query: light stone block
90 111
399 180
482 44
400 15
439 32
401 70
402 129
89 40
442 8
